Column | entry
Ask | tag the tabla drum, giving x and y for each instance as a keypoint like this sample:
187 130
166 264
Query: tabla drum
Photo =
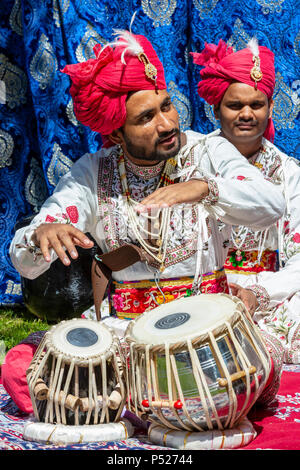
197 363
77 375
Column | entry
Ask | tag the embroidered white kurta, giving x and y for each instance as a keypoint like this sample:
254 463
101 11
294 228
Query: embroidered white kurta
90 197
279 292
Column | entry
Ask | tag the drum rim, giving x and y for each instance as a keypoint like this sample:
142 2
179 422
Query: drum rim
218 329
78 359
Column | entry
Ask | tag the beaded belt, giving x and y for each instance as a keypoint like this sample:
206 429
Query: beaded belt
131 299
245 262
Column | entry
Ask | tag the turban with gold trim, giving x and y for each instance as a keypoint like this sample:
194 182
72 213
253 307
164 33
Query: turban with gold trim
100 86
253 66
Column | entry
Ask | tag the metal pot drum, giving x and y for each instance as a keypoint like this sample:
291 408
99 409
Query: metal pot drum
197 363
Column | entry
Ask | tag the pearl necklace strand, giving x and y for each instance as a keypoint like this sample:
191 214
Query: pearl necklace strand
163 225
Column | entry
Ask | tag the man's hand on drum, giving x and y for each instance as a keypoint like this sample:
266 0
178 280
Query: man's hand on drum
62 238
247 296
188 192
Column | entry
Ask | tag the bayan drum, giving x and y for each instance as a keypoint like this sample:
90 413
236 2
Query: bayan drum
76 376
62 292
197 363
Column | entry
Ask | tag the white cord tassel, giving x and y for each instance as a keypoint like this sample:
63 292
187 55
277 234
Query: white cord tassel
202 238
280 229
280 226
261 244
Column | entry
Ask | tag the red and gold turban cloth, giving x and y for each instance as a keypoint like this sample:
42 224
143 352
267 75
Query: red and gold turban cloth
100 86
253 65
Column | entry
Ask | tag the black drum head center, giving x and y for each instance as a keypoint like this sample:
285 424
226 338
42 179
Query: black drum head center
172 321
82 337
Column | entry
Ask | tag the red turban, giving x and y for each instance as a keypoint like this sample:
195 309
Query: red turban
100 86
223 66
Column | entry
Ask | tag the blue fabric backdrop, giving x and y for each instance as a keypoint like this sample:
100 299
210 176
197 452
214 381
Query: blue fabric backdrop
40 137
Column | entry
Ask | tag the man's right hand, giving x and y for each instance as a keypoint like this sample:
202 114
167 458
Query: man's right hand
62 238
247 296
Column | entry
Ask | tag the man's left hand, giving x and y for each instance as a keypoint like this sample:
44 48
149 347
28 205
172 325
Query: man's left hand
188 192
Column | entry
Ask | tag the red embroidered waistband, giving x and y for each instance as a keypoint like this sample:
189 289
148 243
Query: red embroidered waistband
131 299
246 262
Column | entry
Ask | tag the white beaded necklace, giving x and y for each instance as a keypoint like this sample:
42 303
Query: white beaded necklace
161 220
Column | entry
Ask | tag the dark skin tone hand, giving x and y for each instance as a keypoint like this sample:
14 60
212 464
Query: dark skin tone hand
58 237
246 296
188 192
63 238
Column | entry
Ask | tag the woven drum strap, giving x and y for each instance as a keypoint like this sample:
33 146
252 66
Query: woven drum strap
104 264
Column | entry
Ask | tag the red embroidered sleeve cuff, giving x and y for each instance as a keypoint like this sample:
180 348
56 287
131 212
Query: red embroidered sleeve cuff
213 192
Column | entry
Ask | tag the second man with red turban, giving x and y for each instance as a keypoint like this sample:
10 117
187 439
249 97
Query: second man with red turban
240 85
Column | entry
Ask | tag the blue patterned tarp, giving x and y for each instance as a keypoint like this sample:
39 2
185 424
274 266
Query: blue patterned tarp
12 422
40 137
278 418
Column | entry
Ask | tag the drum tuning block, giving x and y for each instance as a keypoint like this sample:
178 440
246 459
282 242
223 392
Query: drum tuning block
42 392
236 376
163 404
113 402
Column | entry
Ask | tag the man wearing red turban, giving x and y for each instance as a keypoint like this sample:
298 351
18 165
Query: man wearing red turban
146 163
240 85
253 66
100 86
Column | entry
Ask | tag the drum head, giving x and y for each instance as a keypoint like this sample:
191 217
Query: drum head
184 318
81 338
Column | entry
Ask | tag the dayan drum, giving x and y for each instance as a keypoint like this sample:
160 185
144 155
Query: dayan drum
197 363
76 376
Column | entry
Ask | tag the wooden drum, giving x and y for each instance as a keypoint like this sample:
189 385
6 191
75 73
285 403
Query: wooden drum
197 363
76 376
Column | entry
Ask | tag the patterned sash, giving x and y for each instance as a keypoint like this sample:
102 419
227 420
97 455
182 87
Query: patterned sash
131 299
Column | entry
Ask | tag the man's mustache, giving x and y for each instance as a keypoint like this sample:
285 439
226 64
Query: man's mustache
166 135
249 122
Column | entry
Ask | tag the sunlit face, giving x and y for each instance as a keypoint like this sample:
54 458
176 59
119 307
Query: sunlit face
151 131
243 113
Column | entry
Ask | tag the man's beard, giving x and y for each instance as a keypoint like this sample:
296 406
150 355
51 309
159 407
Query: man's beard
140 152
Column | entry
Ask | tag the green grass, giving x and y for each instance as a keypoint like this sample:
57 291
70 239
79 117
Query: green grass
15 325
